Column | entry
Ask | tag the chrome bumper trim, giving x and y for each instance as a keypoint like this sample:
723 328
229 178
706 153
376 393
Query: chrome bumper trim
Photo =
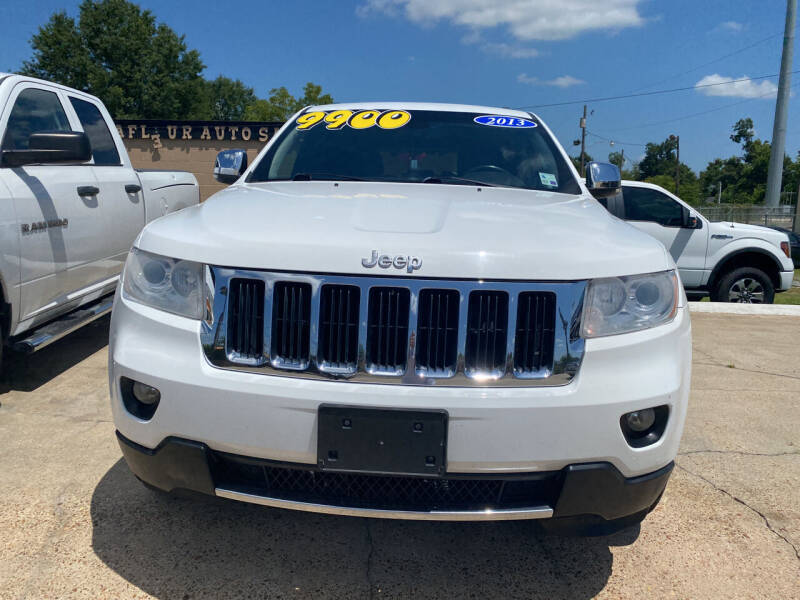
539 512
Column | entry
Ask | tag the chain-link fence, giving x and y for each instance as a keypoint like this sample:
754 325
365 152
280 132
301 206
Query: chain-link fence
778 216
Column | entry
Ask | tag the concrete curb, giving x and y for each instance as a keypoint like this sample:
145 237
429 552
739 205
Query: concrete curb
785 310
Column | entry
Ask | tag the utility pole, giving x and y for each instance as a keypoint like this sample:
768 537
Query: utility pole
775 174
677 140
678 165
583 142
719 194
796 227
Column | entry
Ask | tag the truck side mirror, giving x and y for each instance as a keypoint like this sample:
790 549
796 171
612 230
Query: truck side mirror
688 220
229 165
603 179
52 147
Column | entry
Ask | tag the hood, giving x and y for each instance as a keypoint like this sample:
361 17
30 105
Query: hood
455 231
744 230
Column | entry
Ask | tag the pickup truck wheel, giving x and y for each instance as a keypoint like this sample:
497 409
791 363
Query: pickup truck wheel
746 285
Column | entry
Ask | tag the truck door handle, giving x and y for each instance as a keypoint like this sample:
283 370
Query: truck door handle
88 190
133 188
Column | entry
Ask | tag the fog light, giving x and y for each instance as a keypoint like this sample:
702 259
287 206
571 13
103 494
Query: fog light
645 426
638 420
140 400
147 394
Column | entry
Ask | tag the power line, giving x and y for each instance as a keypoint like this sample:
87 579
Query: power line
615 141
654 93
702 112
711 62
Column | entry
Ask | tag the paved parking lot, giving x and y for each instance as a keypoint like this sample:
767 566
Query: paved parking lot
75 523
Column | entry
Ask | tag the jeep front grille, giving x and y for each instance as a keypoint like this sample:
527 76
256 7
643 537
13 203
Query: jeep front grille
408 331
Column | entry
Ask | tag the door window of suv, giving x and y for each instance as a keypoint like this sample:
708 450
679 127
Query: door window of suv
104 150
644 204
35 111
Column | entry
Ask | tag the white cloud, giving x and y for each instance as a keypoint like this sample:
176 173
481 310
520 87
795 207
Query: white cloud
526 19
740 89
730 26
509 51
564 81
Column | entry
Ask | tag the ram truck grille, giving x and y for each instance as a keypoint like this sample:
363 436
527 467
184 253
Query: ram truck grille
407 331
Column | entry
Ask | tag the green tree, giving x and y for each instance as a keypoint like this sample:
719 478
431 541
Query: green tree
743 178
281 105
661 160
576 160
228 99
617 158
117 51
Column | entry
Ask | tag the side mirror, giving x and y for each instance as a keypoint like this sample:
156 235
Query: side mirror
603 179
51 148
230 165
690 221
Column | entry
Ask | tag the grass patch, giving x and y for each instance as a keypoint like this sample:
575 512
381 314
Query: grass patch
791 296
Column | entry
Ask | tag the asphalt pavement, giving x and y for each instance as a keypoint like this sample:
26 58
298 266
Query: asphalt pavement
74 523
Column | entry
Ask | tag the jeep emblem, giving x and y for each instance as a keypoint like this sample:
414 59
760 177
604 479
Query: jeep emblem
384 261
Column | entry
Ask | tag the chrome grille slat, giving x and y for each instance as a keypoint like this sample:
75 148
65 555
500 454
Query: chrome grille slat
291 317
387 330
246 328
487 333
382 338
535 332
437 350
338 328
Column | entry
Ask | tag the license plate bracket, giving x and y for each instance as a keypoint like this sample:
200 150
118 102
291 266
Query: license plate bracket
394 441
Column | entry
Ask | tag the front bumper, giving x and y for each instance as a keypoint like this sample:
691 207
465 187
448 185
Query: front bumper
786 278
574 492
490 430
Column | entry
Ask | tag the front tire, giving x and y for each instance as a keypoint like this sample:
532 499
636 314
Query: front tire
745 285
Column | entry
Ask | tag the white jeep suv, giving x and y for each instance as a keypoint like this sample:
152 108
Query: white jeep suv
412 311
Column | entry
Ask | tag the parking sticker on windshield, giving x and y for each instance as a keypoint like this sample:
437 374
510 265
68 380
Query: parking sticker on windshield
501 121
548 179
336 119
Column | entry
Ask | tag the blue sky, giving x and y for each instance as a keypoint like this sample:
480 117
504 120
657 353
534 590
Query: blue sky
510 53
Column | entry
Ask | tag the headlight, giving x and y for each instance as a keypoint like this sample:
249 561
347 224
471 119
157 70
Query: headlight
164 283
624 304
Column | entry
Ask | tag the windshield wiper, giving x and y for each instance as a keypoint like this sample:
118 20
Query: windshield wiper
324 177
457 180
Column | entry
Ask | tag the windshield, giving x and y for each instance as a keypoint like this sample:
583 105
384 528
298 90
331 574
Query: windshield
417 147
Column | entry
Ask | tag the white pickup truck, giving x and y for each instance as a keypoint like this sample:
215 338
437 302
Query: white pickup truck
731 262
71 205
411 311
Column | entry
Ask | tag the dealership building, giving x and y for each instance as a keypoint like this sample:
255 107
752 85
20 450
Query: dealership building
191 145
